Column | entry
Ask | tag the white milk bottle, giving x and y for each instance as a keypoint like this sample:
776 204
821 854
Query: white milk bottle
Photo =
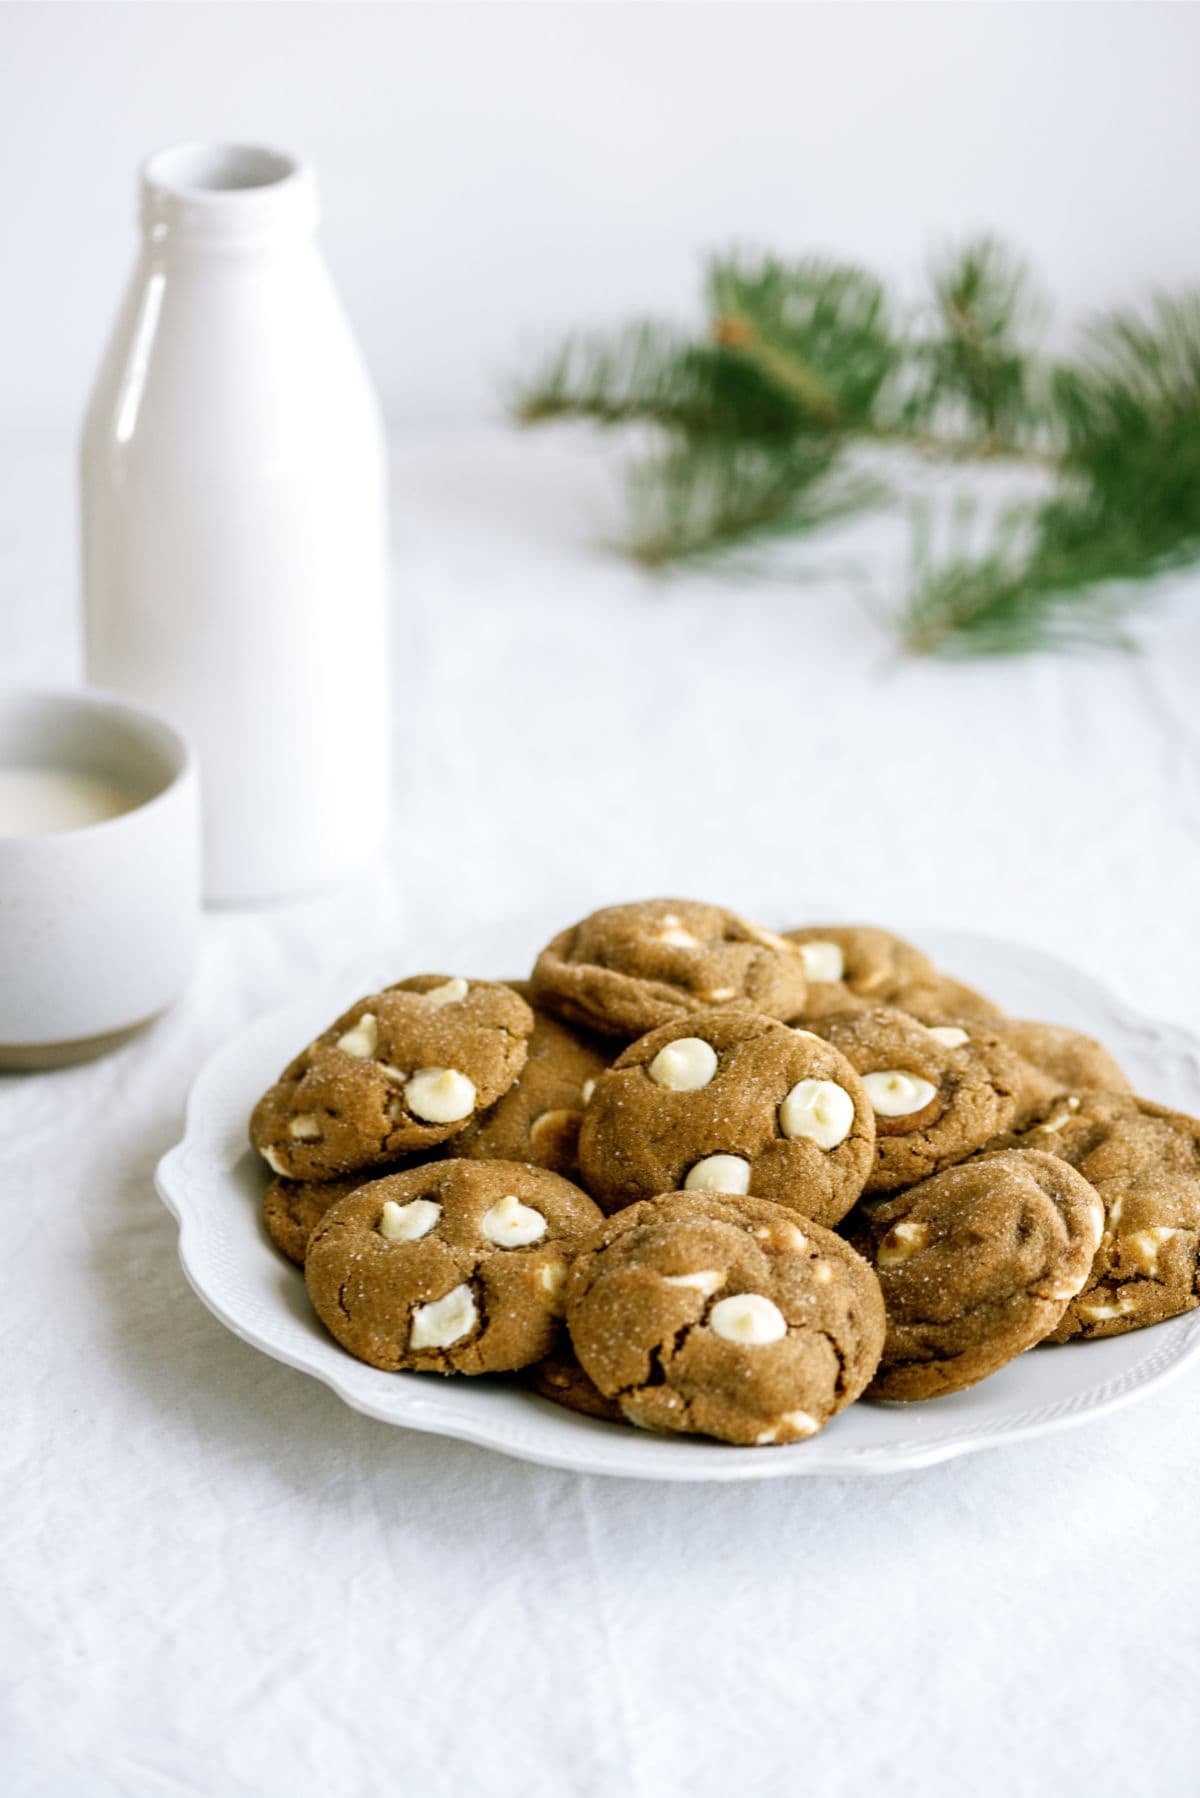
234 520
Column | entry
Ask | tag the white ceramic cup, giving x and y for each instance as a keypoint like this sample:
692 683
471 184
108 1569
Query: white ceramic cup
98 924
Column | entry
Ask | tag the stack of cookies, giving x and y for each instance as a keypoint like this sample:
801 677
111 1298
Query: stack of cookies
702 1177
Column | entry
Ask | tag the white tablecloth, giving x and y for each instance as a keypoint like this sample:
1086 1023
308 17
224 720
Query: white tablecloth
216 1579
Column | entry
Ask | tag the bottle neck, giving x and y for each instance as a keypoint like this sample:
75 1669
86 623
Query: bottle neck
229 198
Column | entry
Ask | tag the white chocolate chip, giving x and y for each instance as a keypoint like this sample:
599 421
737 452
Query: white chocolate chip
271 1157
361 1038
408 1223
1115 1209
707 1281
550 1123
719 1173
823 961
1095 1311
1062 1116
1143 1246
820 1110
449 993
586 1091
444 1321
678 937
306 1128
822 1273
719 994
810 1034
552 1278
902 1241
788 1237
748 1317
770 939
949 1035
791 1426
440 1095
896 1094
684 1065
391 1072
511 1225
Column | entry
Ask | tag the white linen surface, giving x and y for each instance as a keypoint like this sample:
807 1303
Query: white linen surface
218 1580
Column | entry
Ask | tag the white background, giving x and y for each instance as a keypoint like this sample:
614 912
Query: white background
495 172
213 1578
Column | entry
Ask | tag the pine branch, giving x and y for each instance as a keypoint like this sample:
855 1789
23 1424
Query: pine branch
1066 573
801 363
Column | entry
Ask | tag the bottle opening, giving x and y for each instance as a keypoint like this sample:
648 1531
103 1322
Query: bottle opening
218 168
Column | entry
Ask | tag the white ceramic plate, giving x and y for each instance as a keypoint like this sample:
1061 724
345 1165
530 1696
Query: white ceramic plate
213 1185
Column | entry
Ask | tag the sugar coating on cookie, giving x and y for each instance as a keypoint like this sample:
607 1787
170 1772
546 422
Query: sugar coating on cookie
977 1264
538 1118
726 1317
400 1072
935 1101
458 1266
630 968
777 1113
1144 1161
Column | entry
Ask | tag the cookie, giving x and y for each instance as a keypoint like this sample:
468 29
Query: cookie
630 968
852 965
726 1317
401 1071
1144 1161
729 1101
846 963
976 1265
456 1267
539 1116
936 1099
292 1209
562 1380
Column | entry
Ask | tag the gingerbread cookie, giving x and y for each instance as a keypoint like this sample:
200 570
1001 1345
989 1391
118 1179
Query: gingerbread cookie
562 1380
539 1116
936 1098
726 1317
457 1267
1144 1161
630 968
976 1265
853 965
848 963
292 1209
401 1071
729 1101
